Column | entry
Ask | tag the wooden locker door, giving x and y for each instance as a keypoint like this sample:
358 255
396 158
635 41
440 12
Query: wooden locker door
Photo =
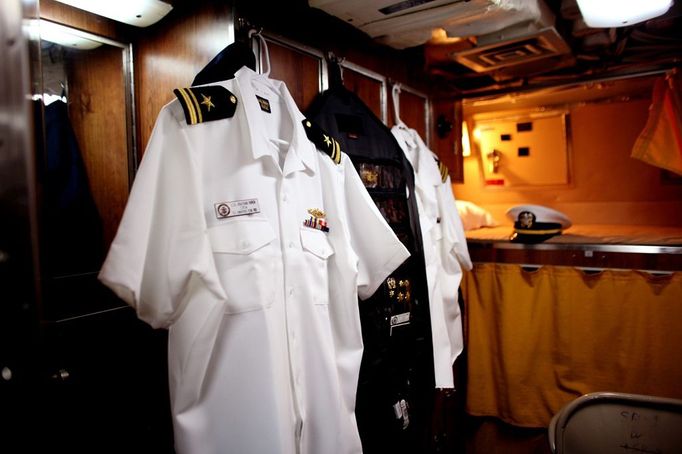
369 86
300 67
414 112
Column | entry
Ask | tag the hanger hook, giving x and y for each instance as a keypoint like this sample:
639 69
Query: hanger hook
395 94
338 61
264 48
253 32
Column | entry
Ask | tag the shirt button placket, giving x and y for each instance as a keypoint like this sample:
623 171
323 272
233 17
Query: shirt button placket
290 231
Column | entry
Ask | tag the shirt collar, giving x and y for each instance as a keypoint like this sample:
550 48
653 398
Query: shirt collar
302 151
420 157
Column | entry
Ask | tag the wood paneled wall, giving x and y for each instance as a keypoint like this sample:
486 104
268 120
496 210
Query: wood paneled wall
412 111
367 89
97 109
171 52
300 71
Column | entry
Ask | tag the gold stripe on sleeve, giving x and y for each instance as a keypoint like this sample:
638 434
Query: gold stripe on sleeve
196 106
190 106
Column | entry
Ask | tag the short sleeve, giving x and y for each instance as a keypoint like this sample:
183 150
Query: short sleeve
378 249
454 239
161 239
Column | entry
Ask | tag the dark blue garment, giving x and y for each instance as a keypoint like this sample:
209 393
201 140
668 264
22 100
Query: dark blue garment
397 363
226 63
72 235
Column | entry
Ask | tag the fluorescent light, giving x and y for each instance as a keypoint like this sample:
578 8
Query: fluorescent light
140 13
620 13
64 36
466 145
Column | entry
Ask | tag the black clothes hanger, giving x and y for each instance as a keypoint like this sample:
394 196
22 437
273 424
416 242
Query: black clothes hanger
334 70
226 63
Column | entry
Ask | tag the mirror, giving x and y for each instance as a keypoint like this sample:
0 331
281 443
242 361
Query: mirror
85 158
525 148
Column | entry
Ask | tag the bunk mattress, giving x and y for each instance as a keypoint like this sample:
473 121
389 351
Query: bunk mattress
592 234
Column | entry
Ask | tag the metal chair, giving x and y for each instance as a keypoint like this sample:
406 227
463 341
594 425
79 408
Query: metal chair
607 422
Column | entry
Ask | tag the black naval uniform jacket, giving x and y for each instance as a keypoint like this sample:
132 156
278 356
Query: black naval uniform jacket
396 377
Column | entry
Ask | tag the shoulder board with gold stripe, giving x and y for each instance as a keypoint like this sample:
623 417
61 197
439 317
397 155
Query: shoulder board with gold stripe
443 169
202 104
323 141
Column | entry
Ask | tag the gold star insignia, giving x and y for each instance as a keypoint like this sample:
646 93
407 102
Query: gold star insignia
326 139
207 102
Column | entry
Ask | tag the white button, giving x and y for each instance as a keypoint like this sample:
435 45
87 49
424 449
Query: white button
284 197
291 292
245 244
291 244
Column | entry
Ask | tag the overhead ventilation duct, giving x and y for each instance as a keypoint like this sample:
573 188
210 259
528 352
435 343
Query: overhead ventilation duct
505 38
408 23
516 54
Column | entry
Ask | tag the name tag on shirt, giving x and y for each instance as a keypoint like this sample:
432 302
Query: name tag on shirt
399 320
236 208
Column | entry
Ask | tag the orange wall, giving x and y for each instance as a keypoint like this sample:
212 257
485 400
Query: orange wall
608 186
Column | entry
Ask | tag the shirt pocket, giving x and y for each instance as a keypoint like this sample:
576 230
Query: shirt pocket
316 252
245 258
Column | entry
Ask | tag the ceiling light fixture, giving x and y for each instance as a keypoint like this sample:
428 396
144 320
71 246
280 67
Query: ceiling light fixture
140 13
620 13
64 36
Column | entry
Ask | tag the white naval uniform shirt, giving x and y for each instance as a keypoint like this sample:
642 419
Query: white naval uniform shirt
264 332
445 252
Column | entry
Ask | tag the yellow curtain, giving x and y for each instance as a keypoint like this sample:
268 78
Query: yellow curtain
660 143
538 339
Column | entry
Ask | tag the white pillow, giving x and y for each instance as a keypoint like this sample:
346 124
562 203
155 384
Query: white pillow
473 216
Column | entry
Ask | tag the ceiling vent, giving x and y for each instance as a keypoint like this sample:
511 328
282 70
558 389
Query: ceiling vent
513 51
408 23
501 38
